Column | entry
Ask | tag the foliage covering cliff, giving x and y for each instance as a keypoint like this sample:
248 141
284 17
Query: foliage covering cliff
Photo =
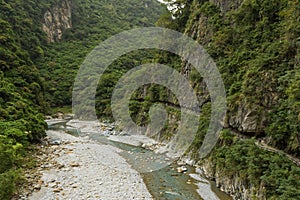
256 47
21 87
33 67
254 43
92 22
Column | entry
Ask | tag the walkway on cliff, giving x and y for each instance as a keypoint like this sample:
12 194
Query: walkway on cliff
261 144
266 147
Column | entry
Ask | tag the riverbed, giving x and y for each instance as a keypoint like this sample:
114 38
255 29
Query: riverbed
166 183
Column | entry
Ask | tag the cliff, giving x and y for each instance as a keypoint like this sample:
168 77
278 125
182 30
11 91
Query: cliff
258 60
250 76
255 45
21 93
57 19
246 117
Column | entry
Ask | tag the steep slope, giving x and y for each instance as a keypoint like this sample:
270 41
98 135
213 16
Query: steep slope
53 36
254 43
91 22
257 50
256 47
21 91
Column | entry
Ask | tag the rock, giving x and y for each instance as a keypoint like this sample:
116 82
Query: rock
247 120
181 163
106 133
52 184
57 190
45 166
69 116
55 142
59 115
181 169
60 166
37 187
48 117
28 176
74 164
123 133
57 20
114 180
172 193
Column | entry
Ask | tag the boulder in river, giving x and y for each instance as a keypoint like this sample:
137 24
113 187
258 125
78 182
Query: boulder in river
69 116
59 115
48 117
181 169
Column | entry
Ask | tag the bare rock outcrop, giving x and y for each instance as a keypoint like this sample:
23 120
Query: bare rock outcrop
57 20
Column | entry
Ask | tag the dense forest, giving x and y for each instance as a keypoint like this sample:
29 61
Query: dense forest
255 44
38 66
256 47
22 89
92 23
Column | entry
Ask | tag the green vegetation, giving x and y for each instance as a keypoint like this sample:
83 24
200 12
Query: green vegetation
92 22
21 89
32 69
275 173
255 46
258 58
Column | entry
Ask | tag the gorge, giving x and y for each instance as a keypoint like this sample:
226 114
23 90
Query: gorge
255 45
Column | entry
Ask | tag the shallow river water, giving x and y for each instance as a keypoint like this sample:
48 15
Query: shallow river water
166 183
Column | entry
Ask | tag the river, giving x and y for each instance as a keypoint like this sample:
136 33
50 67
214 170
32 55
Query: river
163 184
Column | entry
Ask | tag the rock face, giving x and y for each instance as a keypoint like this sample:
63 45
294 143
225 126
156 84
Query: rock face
57 20
246 117
227 5
234 186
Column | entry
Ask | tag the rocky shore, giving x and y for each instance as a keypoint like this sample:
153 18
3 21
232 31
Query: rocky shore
78 168
89 166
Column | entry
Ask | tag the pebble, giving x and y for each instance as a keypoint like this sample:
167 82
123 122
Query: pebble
52 185
57 190
55 142
37 187
74 164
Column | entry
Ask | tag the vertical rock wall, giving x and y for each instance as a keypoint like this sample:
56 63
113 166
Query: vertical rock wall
57 20
246 118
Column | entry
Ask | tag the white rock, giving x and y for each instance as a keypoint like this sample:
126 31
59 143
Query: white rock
181 169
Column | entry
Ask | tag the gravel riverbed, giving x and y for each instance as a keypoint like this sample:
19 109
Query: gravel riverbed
85 170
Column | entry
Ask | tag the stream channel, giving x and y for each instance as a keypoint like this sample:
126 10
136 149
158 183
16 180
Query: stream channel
163 184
